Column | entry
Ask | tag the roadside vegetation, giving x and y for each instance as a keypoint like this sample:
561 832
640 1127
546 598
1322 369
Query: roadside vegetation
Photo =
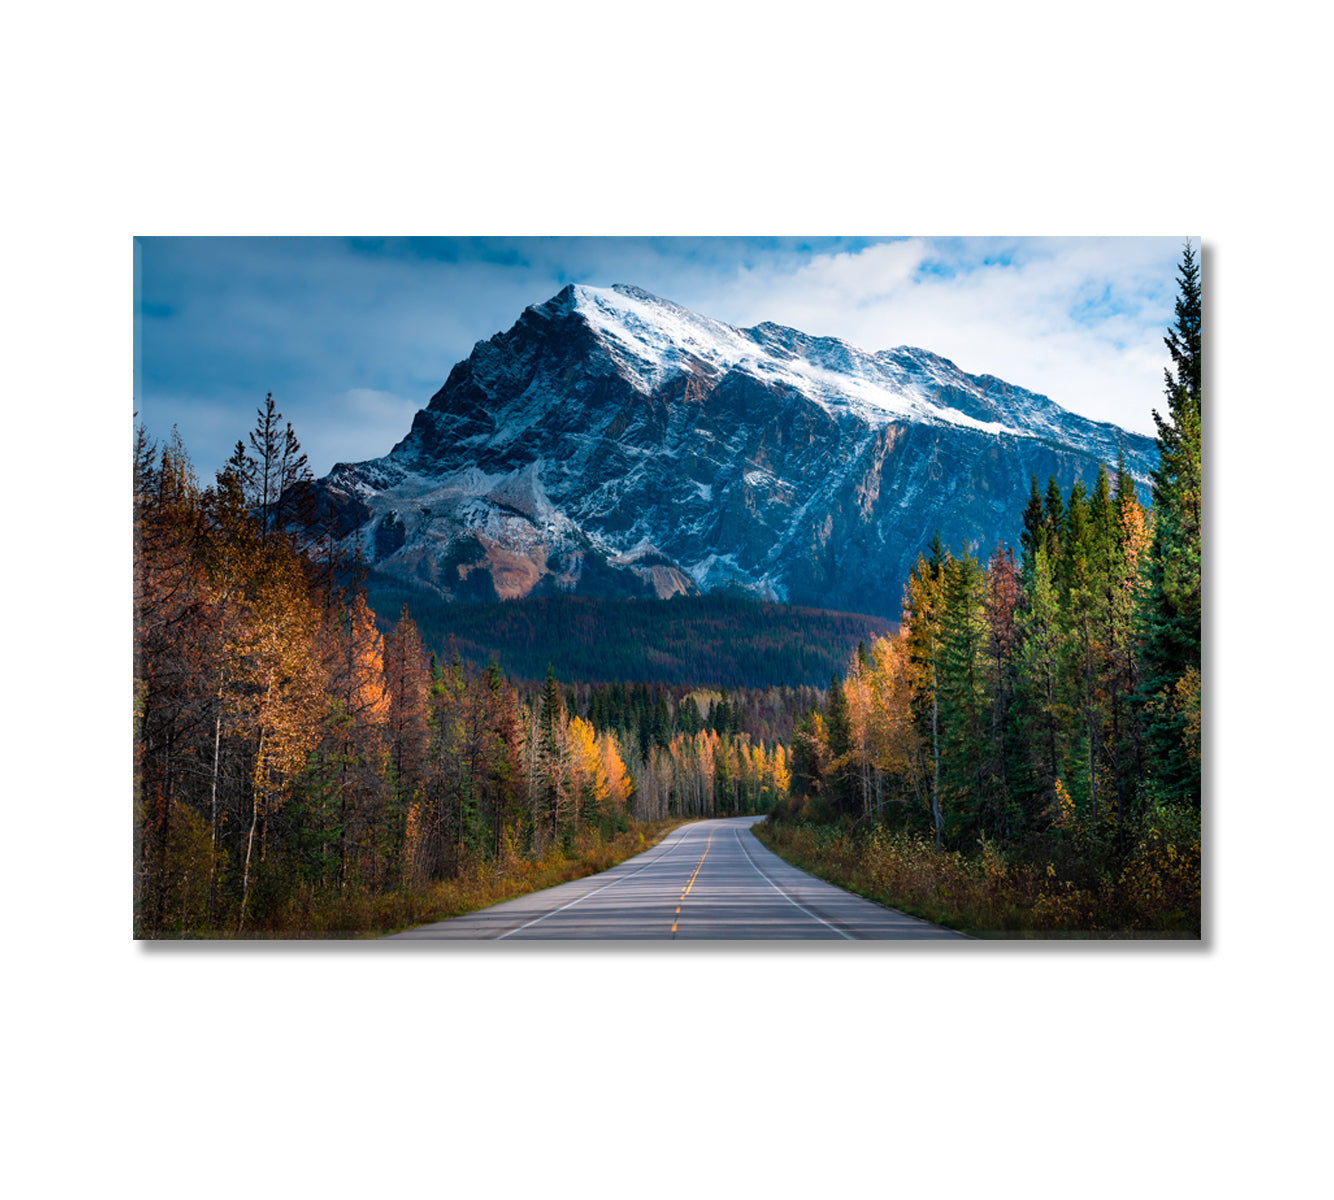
1080 890
300 773
1025 755
291 908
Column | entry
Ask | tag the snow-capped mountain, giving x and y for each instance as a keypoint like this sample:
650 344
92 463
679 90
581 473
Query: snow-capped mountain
613 443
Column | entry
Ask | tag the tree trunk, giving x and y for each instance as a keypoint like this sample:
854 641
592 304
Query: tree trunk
935 750
213 816
250 839
1092 730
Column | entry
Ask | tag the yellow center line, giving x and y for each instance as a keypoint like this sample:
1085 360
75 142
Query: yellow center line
691 884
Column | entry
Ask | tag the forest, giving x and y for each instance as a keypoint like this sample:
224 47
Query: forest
726 640
1021 755
1026 752
299 771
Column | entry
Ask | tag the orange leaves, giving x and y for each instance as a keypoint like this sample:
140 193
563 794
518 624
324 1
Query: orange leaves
587 775
367 696
879 693
620 785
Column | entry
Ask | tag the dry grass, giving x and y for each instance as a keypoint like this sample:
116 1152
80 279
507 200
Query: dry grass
1155 895
356 912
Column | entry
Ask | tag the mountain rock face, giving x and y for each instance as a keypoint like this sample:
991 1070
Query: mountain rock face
613 443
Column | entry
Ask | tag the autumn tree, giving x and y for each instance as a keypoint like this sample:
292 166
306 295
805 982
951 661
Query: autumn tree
284 687
353 753
176 635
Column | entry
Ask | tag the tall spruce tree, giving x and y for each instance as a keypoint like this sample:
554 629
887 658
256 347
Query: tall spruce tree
1034 533
960 688
923 607
275 470
1171 615
838 729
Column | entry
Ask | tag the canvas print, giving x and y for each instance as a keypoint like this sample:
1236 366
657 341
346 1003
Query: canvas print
824 588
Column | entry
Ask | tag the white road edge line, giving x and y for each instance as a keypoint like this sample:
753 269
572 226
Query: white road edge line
782 893
679 843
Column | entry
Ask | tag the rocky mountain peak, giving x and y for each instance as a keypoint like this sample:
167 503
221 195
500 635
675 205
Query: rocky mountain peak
613 442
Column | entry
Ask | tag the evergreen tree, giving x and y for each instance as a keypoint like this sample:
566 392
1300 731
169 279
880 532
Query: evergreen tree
550 754
1082 596
1053 520
689 717
809 749
1034 534
923 610
960 688
1003 772
278 465
1041 681
662 719
1170 653
1125 586
838 734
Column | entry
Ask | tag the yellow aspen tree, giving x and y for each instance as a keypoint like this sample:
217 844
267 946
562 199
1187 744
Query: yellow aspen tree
857 692
620 784
780 774
359 711
587 777
286 686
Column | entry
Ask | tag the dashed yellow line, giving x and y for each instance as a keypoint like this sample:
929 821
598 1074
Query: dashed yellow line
691 883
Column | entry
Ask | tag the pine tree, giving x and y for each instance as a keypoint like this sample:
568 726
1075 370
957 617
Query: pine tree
960 688
1170 653
406 681
278 465
1080 596
1125 588
551 755
838 734
662 719
809 750
1034 534
689 717
923 611
1053 520
1040 676
1003 770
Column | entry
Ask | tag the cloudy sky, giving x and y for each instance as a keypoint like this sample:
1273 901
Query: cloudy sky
353 335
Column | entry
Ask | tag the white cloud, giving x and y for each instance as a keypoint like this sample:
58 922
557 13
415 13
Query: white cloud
1080 320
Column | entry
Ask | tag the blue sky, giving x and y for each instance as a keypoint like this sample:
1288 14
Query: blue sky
353 335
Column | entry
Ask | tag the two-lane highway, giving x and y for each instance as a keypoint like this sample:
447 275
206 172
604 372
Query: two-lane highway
710 879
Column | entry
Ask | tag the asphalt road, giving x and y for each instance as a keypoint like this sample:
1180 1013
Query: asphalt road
707 880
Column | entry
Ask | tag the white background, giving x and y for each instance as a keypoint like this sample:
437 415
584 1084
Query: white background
310 1070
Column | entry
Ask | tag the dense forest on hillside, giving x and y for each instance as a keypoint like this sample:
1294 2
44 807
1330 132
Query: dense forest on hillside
724 640
1022 753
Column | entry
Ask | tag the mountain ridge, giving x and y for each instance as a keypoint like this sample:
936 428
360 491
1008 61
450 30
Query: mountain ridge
614 443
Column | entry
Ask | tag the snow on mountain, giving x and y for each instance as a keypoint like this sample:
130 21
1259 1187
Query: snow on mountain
612 442
655 339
